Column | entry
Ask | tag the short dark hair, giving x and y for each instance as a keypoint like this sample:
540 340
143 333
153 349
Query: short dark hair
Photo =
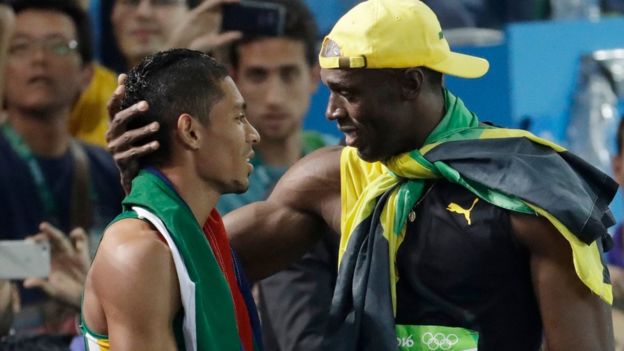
173 82
71 9
299 25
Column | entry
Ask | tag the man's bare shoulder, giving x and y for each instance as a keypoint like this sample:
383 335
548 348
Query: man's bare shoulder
126 238
131 264
131 250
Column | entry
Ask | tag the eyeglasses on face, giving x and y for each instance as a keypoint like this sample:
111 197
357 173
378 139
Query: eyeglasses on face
55 46
156 3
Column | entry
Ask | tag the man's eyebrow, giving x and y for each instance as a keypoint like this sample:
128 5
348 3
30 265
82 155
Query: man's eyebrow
22 35
288 66
339 86
256 68
333 85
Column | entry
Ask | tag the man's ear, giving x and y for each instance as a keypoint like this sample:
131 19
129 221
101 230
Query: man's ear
412 82
188 131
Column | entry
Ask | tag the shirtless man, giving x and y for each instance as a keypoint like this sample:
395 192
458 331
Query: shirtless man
164 277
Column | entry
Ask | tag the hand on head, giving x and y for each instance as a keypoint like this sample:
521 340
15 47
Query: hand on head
121 141
200 28
69 264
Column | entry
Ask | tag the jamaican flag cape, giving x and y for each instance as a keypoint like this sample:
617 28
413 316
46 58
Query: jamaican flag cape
208 299
511 169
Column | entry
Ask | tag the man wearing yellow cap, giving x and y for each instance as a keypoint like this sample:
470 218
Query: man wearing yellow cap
455 235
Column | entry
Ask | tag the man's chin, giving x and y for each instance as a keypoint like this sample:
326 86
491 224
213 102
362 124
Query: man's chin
275 134
238 188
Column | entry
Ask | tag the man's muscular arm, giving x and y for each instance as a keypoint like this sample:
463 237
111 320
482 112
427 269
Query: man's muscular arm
574 318
271 234
134 285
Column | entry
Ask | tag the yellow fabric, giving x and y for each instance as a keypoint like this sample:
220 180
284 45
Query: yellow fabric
587 260
89 118
363 182
94 342
394 34
499 133
355 175
104 345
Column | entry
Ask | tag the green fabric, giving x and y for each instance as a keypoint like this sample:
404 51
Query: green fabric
435 337
459 132
457 124
215 318
177 321
311 140
377 198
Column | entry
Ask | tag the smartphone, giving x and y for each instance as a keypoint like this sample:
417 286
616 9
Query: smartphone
21 259
254 18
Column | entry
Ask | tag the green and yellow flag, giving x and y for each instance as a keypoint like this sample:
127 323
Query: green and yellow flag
511 169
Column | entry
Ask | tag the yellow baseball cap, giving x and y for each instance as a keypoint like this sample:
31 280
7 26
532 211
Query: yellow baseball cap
395 34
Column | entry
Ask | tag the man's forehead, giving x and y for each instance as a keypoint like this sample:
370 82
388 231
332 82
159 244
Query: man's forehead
272 52
230 89
56 22
331 75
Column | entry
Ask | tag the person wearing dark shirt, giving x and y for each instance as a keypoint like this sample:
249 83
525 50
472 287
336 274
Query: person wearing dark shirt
46 175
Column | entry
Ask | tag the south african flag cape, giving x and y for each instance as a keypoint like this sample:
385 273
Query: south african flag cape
218 310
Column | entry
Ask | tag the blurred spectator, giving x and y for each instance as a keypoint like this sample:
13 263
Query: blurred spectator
69 265
277 76
88 121
132 29
453 13
9 303
615 257
89 117
498 13
45 175
7 19
141 27
613 6
6 29
462 13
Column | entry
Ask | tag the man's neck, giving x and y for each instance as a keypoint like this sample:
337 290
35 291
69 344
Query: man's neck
281 153
196 193
45 136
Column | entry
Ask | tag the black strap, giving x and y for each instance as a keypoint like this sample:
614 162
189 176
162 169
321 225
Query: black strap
80 213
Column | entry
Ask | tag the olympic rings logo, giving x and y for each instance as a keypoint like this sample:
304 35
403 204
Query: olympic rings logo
439 341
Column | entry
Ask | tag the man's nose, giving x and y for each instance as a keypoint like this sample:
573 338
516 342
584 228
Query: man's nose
334 109
253 135
276 91
144 8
